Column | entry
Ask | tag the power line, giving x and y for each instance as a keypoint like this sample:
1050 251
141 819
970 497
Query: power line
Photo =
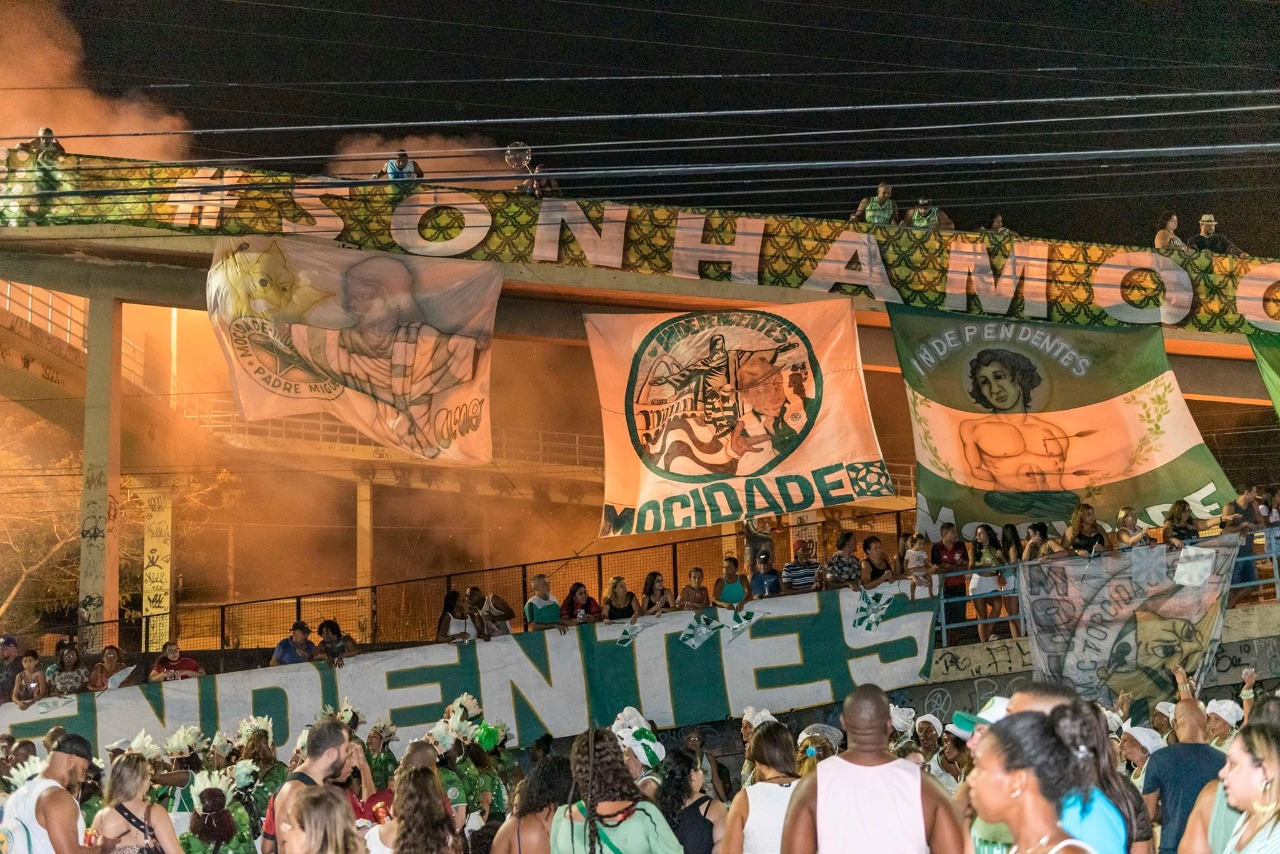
613 117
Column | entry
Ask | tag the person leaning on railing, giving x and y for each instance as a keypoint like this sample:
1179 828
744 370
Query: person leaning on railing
1084 535
1181 528
542 611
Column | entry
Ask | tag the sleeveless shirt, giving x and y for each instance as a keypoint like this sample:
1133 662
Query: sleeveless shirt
20 818
889 818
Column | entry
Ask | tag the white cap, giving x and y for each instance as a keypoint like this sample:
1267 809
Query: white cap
755 716
1150 740
1166 709
1228 710
995 710
932 721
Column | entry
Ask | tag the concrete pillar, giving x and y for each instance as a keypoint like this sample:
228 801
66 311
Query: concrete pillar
157 567
99 599
364 560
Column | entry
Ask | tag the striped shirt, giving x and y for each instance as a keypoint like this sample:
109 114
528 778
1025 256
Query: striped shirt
799 576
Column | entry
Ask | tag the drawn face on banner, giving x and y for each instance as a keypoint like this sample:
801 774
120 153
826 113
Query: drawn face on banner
724 395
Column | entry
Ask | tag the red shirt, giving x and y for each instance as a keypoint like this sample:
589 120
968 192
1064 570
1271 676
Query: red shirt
269 820
569 609
949 559
164 665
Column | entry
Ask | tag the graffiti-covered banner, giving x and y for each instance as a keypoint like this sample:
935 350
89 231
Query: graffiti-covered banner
1120 621
1085 284
397 347
1019 422
794 652
726 416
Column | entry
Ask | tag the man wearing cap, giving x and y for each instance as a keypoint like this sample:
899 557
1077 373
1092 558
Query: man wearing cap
867 799
298 648
1209 240
10 667
42 816
986 836
801 574
926 215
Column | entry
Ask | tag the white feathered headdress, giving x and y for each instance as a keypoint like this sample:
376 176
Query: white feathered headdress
222 744
211 780
345 713
300 746
465 703
146 745
384 727
187 740
28 770
250 725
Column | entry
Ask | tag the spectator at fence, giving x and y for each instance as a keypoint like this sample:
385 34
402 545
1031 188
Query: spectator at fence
494 612
916 566
620 604
112 663
927 215
457 623
950 555
655 598
995 225
984 580
1241 515
801 573
70 676
1167 232
1181 528
1084 535
400 168
542 612
843 567
30 685
694 596
877 567
1011 545
578 608
765 580
173 665
731 591
336 646
1128 532
10 667
297 648
1209 240
45 147
879 209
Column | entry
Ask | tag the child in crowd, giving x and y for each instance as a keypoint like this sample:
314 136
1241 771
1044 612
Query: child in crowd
916 561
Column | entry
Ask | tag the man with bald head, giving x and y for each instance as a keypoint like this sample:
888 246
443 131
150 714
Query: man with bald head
866 799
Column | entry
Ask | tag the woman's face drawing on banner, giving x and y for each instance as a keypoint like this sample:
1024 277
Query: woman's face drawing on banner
997 384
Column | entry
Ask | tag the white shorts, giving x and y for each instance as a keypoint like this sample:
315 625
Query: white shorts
982 584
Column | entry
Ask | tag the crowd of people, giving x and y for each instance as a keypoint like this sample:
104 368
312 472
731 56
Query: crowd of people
1037 772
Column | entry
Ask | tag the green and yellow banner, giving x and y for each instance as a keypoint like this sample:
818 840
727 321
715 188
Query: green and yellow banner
1080 284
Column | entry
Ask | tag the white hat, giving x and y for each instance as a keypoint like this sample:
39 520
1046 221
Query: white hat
995 710
904 719
755 716
826 732
644 744
1228 710
1208 218
1150 740
932 721
1166 709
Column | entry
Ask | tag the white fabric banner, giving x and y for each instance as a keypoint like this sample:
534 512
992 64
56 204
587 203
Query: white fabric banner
394 345
726 416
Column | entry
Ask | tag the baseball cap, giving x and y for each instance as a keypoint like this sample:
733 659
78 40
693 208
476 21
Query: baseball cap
995 710
798 545
301 626
962 724
8 640
75 745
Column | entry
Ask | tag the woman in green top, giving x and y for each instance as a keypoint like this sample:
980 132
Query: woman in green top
271 771
613 817
732 590
382 762
541 611
985 578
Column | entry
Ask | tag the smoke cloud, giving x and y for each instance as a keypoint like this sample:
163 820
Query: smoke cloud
39 46
443 159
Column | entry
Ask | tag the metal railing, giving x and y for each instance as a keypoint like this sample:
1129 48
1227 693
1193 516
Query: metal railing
64 318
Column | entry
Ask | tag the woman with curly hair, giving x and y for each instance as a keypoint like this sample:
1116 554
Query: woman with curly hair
271 771
612 814
528 829
419 822
698 821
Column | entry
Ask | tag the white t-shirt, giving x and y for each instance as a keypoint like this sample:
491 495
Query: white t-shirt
917 561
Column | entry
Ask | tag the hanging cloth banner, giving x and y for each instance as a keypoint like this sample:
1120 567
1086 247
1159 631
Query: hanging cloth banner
1018 421
726 416
1266 352
396 347
1120 621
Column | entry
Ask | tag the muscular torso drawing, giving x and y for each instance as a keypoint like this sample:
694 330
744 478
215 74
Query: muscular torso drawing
1015 453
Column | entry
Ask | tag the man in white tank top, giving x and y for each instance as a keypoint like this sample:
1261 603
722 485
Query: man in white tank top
866 799
42 816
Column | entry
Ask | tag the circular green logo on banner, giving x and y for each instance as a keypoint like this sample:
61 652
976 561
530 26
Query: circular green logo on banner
717 396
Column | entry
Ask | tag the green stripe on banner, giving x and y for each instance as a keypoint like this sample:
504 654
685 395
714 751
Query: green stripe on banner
1194 476
936 349
207 694
611 671
1266 352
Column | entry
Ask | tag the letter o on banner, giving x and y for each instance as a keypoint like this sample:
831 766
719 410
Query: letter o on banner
409 213
1177 288
1251 296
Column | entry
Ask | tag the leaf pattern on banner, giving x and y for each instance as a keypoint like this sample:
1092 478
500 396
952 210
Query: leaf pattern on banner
871 610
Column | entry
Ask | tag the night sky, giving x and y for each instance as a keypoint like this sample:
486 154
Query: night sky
295 52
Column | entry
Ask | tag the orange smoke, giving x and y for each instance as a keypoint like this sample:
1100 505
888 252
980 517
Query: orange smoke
443 160
39 46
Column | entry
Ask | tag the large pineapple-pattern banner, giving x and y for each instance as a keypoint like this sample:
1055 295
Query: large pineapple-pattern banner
1077 283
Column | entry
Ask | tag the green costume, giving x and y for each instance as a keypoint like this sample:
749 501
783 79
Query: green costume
268 784
90 808
241 843
469 774
453 788
382 767
490 782
878 212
